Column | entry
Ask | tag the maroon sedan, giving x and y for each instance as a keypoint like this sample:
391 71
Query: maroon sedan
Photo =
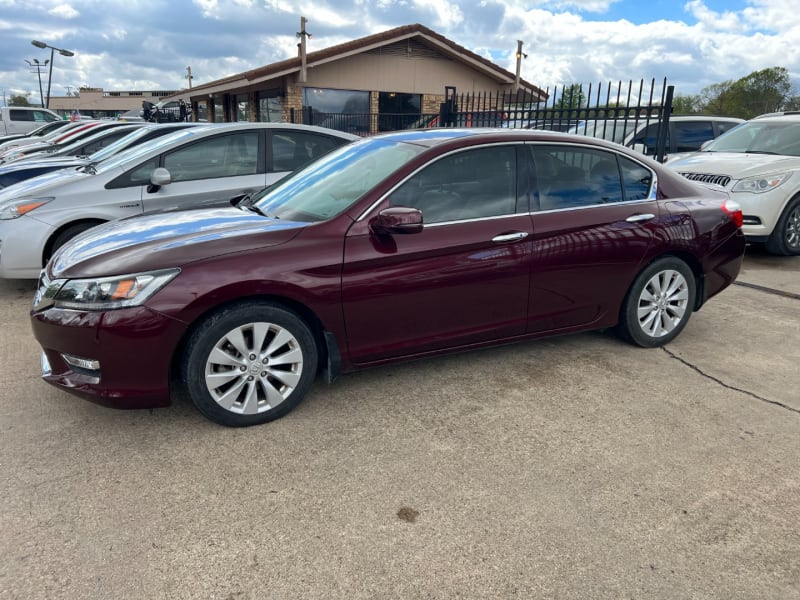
398 246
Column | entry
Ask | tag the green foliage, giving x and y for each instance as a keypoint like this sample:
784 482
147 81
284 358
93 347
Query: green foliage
572 96
687 104
768 90
18 100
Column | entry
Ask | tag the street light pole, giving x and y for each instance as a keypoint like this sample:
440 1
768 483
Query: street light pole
62 52
35 64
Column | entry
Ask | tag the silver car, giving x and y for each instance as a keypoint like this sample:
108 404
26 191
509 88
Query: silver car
200 166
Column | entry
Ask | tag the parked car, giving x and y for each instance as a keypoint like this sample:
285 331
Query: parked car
17 171
40 131
399 246
759 164
686 133
22 119
59 128
81 133
196 166
92 142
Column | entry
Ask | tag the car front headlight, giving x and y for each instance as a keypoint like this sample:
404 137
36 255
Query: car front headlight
761 184
21 206
107 293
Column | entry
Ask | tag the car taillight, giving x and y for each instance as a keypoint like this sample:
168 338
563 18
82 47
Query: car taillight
734 211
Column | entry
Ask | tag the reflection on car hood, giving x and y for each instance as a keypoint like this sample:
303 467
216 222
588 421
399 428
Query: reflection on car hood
168 239
40 185
54 162
736 165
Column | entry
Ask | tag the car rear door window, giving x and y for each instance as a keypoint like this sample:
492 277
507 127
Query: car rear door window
470 184
293 149
571 177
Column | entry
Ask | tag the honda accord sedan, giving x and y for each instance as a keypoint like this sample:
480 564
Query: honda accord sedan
399 246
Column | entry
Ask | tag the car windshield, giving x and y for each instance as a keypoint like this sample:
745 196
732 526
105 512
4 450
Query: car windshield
761 137
121 143
333 183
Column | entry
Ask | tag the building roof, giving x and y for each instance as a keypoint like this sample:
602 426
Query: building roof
416 31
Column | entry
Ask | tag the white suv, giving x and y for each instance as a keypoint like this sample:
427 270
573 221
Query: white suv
758 163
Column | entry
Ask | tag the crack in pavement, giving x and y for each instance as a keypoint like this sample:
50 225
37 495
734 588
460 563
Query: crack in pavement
730 387
768 290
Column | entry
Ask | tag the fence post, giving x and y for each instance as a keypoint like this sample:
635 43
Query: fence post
664 128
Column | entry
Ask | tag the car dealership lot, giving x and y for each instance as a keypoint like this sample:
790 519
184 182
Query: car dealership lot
571 467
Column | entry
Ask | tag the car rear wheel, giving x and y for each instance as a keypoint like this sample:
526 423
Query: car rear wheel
249 364
785 238
658 304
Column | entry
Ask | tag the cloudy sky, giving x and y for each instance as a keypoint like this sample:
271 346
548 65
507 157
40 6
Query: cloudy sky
147 45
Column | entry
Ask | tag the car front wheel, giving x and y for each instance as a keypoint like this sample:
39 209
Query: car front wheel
785 238
658 304
249 364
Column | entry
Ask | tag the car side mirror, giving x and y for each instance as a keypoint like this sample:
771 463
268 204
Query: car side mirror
160 176
397 219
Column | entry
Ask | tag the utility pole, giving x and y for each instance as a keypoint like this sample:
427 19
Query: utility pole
35 64
519 64
303 34
189 76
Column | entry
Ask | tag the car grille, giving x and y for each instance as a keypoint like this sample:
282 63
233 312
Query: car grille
722 180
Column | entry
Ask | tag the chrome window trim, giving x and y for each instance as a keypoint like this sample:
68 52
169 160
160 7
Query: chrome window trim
380 200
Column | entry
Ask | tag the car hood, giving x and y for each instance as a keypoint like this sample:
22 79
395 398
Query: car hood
55 162
41 185
736 165
166 240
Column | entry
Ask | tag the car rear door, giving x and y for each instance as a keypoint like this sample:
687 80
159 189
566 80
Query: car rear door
595 216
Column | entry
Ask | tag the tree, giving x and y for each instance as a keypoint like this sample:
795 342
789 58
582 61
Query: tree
572 96
18 100
767 90
687 104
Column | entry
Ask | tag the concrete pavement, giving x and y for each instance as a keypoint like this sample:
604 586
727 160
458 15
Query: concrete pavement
572 467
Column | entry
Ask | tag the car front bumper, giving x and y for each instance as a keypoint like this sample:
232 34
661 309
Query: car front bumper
22 247
120 358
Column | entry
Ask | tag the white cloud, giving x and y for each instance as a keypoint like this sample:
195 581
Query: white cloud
65 11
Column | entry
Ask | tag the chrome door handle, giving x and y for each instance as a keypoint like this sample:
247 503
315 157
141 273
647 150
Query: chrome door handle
640 218
510 237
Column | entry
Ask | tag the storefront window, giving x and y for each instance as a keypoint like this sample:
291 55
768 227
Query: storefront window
345 110
242 113
270 107
398 110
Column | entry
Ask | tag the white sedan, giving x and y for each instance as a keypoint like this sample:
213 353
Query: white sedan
199 166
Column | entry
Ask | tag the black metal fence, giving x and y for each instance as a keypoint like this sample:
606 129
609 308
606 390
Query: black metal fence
635 114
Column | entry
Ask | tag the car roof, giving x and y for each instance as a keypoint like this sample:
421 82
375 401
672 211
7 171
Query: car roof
439 136
251 125
779 116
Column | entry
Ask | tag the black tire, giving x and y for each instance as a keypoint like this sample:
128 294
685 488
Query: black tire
66 235
785 238
651 315
239 389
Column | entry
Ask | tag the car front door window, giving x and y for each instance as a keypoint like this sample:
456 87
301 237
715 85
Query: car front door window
466 185
221 156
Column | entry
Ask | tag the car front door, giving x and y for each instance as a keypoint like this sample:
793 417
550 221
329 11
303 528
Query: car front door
462 280
595 216
208 172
